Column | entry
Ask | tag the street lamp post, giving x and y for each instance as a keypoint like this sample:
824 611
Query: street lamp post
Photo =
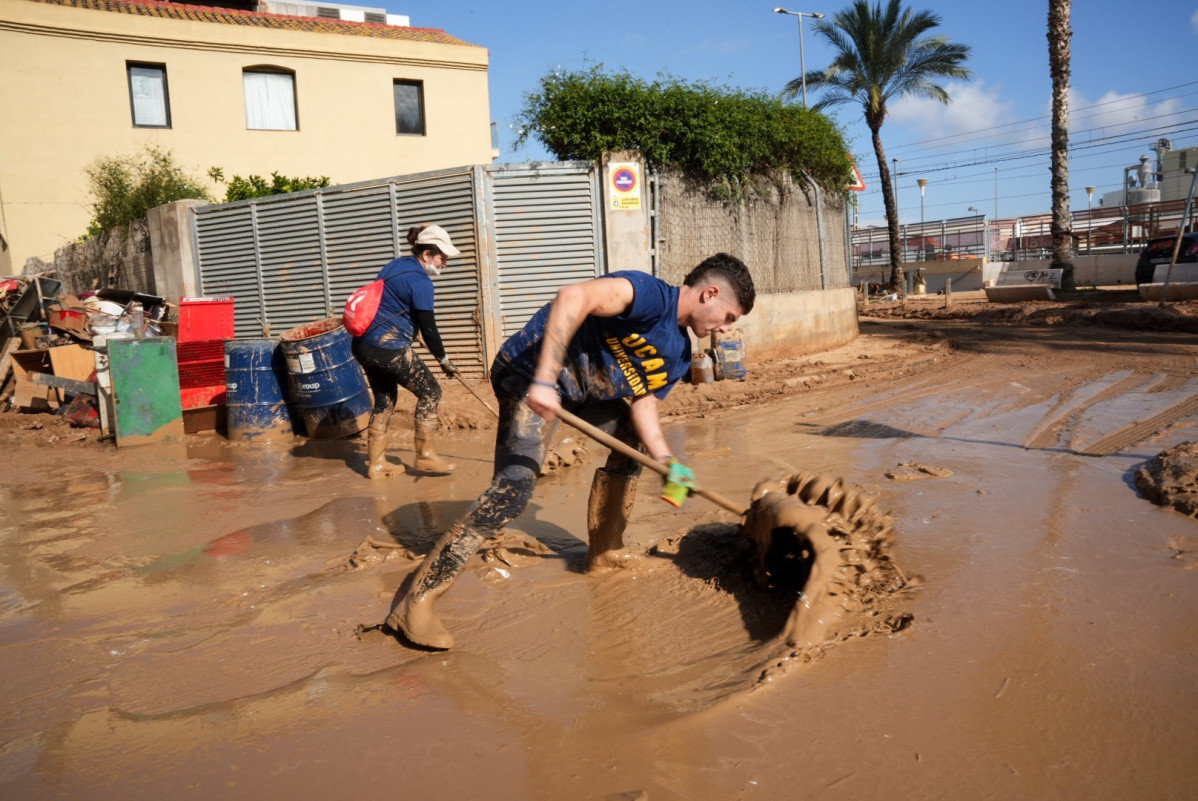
802 59
1089 221
985 240
923 237
894 180
996 193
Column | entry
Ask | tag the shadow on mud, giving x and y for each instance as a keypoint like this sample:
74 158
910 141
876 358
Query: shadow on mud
721 557
349 450
417 526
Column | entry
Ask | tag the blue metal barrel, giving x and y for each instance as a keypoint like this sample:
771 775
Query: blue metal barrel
256 380
326 382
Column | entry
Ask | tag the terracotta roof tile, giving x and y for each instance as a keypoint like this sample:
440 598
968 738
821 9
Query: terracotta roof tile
231 16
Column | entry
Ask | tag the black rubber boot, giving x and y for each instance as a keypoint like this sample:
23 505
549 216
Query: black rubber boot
608 508
414 616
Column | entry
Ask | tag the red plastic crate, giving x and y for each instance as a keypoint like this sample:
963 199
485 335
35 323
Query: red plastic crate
201 373
209 395
203 319
206 351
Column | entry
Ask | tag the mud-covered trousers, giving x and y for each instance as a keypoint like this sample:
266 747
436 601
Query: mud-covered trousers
387 370
522 442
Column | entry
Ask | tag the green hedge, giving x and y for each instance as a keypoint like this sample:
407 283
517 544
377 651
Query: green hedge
719 135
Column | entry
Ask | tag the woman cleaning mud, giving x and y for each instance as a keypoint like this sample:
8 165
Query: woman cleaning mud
385 350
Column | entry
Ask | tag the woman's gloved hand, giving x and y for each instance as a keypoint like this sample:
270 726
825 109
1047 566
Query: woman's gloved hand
679 482
449 368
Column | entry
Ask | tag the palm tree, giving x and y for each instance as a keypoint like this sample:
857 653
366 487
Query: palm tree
1059 35
883 55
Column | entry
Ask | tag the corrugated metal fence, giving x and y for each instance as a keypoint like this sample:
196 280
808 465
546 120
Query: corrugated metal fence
523 229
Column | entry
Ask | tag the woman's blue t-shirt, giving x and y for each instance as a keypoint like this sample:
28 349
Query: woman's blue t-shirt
406 287
642 350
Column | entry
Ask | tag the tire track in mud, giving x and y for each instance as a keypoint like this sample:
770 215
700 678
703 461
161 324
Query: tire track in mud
1173 380
1117 441
954 375
1049 434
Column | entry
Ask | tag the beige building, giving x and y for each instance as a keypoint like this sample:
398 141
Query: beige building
249 92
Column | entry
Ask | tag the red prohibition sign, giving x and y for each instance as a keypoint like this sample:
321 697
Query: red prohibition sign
624 179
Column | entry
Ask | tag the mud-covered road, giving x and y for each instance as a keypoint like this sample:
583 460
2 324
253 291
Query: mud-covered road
182 620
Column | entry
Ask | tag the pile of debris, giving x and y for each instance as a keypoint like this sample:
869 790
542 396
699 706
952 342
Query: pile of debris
50 341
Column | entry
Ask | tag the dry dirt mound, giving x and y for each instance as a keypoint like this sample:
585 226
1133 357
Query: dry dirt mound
1171 478
41 429
1105 308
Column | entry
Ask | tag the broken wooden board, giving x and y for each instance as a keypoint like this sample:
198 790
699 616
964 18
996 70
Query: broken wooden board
58 382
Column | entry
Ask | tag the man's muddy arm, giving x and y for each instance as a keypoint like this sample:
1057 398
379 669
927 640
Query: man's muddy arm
647 423
601 297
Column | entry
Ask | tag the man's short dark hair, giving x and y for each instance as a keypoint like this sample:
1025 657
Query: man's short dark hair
733 271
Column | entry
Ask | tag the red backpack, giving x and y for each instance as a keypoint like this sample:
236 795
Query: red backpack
361 308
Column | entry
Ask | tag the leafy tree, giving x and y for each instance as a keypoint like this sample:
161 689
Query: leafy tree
1059 35
239 188
126 187
716 134
883 55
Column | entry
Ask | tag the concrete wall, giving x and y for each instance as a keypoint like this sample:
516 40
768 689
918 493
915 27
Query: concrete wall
64 101
118 259
792 323
967 274
1106 269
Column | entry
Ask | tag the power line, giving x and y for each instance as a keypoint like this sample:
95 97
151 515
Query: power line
1072 134
1106 142
1046 116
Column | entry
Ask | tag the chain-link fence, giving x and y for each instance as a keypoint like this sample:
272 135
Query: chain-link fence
776 232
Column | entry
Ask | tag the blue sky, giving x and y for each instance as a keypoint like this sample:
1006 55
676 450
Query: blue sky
1133 82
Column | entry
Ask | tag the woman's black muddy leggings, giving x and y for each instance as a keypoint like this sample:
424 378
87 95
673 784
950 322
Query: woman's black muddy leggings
522 442
387 370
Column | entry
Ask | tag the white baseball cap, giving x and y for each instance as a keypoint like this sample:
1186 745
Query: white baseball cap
436 235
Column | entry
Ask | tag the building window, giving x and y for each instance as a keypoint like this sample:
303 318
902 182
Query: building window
409 107
148 97
269 99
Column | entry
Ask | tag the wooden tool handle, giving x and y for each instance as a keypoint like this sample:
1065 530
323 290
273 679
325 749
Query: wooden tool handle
649 462
470 389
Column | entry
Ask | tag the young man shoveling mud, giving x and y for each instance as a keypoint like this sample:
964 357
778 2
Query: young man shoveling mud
597 346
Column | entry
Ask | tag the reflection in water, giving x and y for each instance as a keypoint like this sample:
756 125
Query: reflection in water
42 526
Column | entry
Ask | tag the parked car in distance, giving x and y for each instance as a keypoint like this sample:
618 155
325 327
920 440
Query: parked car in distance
1160 251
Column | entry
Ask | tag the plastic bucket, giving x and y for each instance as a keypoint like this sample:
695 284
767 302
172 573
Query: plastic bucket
730 354
256 380
325 380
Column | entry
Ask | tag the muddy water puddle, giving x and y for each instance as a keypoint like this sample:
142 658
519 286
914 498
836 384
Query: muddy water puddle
187 621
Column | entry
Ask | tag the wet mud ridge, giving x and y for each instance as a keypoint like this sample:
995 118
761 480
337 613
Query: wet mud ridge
1171 478
829 541
810 566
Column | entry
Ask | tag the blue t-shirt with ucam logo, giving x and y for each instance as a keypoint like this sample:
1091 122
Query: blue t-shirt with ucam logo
405 287
639 351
